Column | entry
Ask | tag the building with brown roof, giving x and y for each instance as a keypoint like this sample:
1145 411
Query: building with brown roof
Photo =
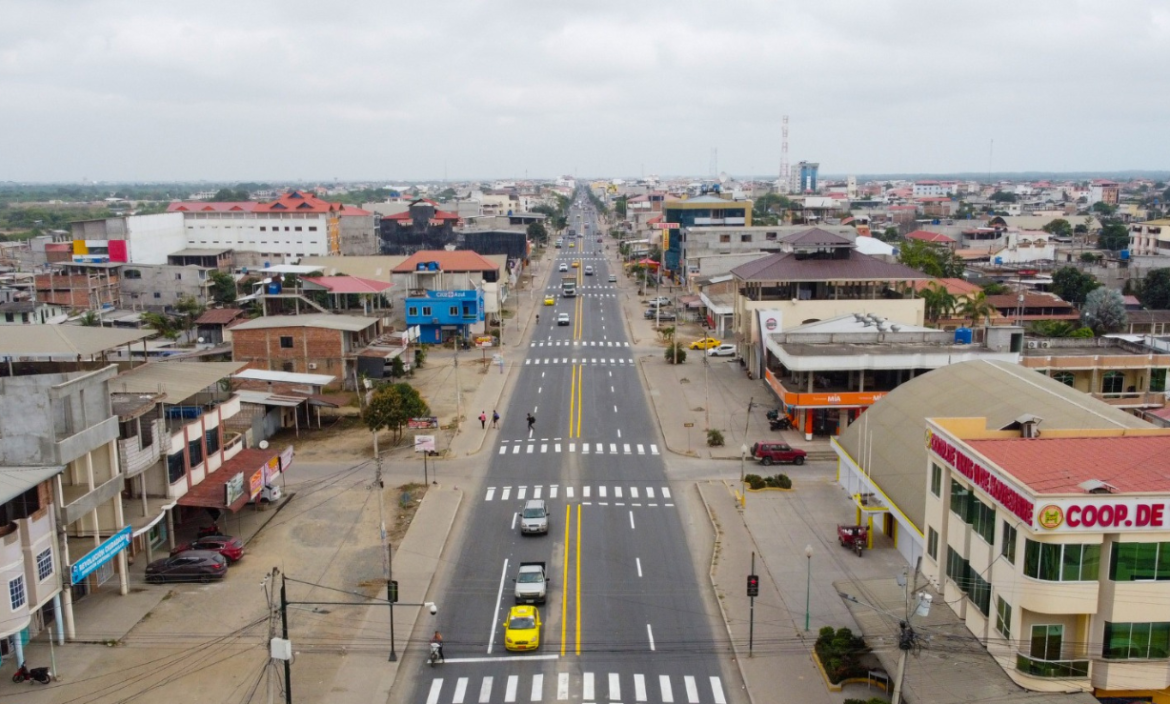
1030 307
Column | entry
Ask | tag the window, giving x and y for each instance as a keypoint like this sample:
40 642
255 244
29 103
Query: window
286 342
932 544
1046 642
1137 641
312 228
724 238
745 238
974 512
412 311
212 437
44 564
1061 563
175 469
263 228
1003 617
1008 548
1158 380
978 589
287 367
9 318
936 480
426 310
1065 378
157 294
297 228
454 310
770 236
179 276
1112 383
959 495
16 593
1140 562
195 452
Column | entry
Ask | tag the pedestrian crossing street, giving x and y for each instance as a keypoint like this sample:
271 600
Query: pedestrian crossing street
637 495
592 688
577 343
531 447
574 360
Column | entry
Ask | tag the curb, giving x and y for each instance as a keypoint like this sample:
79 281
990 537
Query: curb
654 407
717 543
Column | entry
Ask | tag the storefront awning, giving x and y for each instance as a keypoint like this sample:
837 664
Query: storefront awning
212 492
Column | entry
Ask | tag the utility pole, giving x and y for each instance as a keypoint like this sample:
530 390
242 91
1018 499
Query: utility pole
379 487
268 674
284 635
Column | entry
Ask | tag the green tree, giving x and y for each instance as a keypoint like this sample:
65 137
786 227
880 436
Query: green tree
228 195
1154 290
1004 197
939 262
391 406
619 206
537 232
90 319
940 303
162 324
676 353
976 308
1053 328
1090 258
223 287
1072 284
1103 208
1104 311
995 289
1059 227
1113 237
769 209
890 234
187 310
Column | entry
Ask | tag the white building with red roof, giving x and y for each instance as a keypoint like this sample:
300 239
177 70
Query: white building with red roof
293 226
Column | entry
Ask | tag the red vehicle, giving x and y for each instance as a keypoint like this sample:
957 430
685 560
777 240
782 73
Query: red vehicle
856 538
231 548
769 453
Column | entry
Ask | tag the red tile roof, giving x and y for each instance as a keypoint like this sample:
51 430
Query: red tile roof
927 236
956 287
439 215
201 207
219 316
293 201
458 260
1058 465
350 284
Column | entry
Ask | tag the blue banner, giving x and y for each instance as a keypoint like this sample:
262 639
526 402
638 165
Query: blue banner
100 555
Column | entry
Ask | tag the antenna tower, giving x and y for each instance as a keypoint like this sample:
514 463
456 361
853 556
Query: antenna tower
785 176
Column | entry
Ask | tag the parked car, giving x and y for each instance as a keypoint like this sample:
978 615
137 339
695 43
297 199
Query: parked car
659 314
723 350
613 278
769 453
229 547
191 566
705 343
660 301
563 319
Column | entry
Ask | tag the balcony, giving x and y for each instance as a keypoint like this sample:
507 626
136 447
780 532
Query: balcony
80 500
1052 669
1153 399
135 459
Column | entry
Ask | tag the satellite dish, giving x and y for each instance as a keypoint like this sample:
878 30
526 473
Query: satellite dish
200 340
263 444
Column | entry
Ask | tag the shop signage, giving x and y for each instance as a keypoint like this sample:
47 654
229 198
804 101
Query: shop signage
666 225
233 489
286 458
271 469
100 555
422 423
1109 514
985 479
255 483
424 443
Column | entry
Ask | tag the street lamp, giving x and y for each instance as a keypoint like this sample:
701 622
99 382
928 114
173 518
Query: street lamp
743 450
808 553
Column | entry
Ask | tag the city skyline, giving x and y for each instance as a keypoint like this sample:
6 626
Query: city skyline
116 91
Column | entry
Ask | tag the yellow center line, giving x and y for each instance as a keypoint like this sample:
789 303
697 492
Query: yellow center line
572 396
578 650
565 580
580 397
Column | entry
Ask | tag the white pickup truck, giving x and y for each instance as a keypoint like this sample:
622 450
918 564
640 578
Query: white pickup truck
531 583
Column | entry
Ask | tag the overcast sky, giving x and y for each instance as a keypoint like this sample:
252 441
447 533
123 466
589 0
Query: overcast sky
255 90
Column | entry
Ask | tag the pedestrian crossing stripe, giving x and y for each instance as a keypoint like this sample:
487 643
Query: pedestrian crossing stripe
520 493
530 447
591 686
577 343
583 360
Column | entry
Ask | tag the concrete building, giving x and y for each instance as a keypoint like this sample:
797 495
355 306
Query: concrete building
699 244
30 313
136 239
319 342
1150 238
475 277
158 287
80 286
707 210
1117 370
422 226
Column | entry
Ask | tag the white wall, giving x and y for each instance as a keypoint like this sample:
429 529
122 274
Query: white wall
242 231
152 237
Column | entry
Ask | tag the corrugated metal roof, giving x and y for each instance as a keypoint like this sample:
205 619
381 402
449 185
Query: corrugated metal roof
350 323
15 481
178 380
264 398
786 266
287 377
66 340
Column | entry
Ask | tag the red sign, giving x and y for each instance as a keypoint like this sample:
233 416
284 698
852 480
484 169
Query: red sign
981 477
667 225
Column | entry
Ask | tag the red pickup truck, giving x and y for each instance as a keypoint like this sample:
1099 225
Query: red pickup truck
769 453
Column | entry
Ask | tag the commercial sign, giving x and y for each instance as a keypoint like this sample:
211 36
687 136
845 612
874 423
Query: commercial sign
286 458
100 555
255 483
818 399
271 469
987 480
424 443
1108 514
233 489
667 225
422 423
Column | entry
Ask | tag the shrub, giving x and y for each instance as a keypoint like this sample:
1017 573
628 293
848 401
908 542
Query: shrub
871 700
840 652
749 478
756 482
676 353
779 481
714 438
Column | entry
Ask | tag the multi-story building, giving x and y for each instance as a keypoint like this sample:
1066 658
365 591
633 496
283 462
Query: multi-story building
136 239
30 312
1030 307
479 284
806 172
712 251
293 226
927 189
1150 238
81 286
707 210
317 342
421 226
1119 372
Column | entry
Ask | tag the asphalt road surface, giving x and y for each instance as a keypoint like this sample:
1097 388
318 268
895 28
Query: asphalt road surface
625 619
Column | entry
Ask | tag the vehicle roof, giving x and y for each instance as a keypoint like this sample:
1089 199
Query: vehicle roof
535 502
207 554
523 610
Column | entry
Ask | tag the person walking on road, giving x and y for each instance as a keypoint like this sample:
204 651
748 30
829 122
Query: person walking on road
531 422
483 420
495 419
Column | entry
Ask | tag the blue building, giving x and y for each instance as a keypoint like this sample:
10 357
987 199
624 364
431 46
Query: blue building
808 177
441 315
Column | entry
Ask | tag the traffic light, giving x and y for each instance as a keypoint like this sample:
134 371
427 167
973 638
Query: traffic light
392 591
753 587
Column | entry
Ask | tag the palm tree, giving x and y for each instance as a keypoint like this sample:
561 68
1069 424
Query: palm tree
940 303
976 307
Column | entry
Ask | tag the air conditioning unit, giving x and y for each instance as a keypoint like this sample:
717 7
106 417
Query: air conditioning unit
1046 344
1032 344
312 365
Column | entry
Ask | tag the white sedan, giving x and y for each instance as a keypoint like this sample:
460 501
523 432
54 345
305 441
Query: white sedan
563 319
722 351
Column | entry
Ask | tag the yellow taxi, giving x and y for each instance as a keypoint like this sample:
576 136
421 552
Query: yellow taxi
550 300
522 629
572 244
706 343
576 265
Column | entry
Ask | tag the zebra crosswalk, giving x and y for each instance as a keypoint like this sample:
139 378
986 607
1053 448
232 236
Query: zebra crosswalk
590 687
574 360
636 495
577 343
544 446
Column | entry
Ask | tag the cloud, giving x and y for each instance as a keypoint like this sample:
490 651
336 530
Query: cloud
114 89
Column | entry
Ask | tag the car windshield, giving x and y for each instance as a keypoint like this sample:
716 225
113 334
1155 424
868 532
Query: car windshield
533 513
522 623
530 577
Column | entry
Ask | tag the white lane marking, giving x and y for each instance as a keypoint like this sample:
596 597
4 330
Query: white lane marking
613 448
717 690
514 516
640 688
665 493
552 491
516 450
650 634
584 448
510 688
654 449
535 409
615 408
638 562
531 448
601 491
556 447
586 490
460 690
496 611
520 493
587 687
568 492
507 493
667 692
625 448
615 687
572 447
599 448
503 449
692 689
631 520
543 448
617 492
537 686
491 493
611 390
619 432
539 388
649 492
536 492
641 449
633 492
433 695
563 686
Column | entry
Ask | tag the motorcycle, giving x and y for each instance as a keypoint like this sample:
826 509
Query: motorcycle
773 414
436 655
781 423
37 674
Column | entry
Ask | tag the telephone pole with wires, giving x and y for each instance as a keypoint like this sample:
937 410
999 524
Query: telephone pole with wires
387 564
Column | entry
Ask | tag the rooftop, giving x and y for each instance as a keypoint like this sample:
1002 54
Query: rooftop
178 380
67 340
348 323
927 236
1131 464
218 316
457 260
349 284
787 266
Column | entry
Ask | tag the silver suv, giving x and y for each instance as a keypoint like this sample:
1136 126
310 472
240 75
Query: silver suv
534 517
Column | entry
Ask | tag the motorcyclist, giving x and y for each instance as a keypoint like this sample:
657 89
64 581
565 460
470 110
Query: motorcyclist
437 639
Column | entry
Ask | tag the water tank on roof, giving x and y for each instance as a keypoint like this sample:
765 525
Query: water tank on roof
267 264
999 260
1124 255
962 336
421 266
273 288
433 266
